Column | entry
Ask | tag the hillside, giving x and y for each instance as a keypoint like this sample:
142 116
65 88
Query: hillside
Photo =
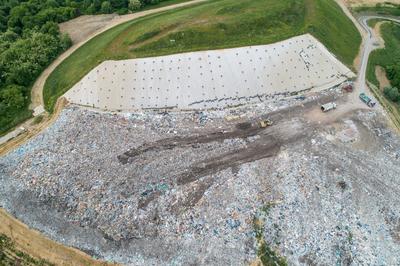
30 40
212 25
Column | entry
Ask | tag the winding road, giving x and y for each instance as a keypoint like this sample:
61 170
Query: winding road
370 44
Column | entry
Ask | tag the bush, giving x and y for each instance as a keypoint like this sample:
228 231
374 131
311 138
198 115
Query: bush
393 74
106 7
66 41
392 93
135 5
38 119
12 97
122 11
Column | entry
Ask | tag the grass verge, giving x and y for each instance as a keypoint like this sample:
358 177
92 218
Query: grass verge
387 9
211 25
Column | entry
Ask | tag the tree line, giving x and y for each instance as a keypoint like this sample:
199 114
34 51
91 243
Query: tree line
393 67
393 74
30 40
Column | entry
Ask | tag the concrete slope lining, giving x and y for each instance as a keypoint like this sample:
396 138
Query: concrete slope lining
211 79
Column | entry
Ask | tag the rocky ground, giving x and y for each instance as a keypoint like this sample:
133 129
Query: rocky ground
213 188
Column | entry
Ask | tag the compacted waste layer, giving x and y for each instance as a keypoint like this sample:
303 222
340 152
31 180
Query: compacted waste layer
206 187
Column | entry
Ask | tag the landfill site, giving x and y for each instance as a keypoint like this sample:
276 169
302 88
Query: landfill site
216 186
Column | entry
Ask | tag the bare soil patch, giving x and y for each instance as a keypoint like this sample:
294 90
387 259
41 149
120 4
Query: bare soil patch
377 34
80 28
381 76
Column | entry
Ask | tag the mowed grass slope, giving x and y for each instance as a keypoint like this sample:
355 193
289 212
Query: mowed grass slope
385 57
211 25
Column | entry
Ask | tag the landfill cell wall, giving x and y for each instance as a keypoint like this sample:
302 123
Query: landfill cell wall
211 79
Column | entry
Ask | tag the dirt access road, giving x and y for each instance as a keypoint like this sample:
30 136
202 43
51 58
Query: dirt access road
37 89
81 27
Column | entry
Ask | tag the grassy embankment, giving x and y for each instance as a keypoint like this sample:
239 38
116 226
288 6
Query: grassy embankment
386 57
21 245
386 9
211 25
10 255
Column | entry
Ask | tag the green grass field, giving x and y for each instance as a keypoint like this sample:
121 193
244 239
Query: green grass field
386 57
211 25
162 4
380 9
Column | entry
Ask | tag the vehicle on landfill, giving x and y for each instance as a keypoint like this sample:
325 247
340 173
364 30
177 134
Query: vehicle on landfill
266 123
348 87
301 97
367 100
328 106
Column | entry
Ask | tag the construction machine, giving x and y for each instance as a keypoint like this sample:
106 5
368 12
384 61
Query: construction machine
266 123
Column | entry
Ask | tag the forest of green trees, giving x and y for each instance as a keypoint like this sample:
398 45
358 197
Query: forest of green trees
390 60
30 40
393 74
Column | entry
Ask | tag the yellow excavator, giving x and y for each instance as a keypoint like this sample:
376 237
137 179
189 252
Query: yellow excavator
266 123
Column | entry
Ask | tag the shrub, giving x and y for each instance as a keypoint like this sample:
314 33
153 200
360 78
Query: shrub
134 5
12 97
392 93
106 7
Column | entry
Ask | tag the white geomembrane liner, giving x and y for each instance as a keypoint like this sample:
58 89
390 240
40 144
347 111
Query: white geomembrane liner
209 79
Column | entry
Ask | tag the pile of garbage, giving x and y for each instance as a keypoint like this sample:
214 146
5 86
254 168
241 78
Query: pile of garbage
192 184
